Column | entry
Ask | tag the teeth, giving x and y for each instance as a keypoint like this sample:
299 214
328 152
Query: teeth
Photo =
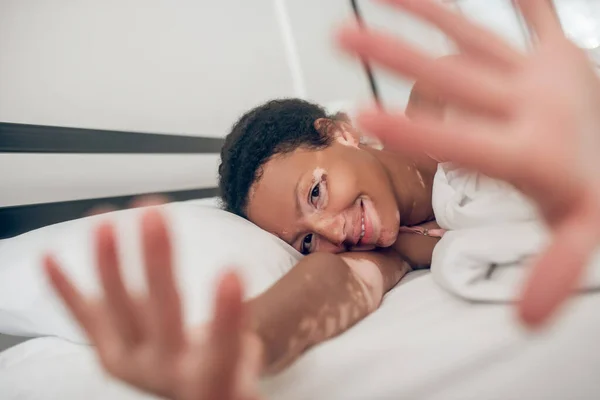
362 231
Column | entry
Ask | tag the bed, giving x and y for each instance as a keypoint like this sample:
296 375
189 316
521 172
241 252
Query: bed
422 344
425 342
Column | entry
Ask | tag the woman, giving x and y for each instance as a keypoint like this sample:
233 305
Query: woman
502 88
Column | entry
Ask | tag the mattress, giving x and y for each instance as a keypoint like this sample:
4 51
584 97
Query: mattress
423 343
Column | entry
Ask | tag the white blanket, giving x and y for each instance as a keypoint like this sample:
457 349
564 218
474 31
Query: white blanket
463 199
494 237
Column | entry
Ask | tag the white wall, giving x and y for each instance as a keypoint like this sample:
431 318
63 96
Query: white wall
173 67
331 77
185 66
42 178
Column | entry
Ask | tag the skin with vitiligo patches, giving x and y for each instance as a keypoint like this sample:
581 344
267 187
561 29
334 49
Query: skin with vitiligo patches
312 198
316 310
316 200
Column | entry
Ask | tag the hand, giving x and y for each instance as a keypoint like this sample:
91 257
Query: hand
142 340
531 120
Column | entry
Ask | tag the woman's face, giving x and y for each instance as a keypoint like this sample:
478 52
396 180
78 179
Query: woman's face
335 199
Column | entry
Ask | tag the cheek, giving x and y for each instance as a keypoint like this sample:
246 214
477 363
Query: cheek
390 217
342 188
376 184
379 189
389 236
390 221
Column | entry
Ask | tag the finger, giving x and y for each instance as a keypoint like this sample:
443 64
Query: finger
164 296
75 302
225 338
471 147
542 19
103 209
250 366
470 37
456 79
557 273
120 305
149 201
228 306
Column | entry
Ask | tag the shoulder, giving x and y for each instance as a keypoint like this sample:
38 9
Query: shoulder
425 97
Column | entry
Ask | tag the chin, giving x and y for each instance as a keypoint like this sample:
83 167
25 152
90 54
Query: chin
387 238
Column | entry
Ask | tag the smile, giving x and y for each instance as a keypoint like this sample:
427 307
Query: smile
362 217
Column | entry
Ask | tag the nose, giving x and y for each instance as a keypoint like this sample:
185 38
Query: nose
332 228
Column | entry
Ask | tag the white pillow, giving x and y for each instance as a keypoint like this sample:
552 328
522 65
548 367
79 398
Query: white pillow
205 239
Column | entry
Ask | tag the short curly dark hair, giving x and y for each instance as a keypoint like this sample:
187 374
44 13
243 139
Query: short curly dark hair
276 127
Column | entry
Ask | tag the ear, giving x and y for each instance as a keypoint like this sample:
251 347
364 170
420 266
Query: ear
343 132
323 126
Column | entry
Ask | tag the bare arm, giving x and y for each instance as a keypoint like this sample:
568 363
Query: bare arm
321 297
424 99
426 102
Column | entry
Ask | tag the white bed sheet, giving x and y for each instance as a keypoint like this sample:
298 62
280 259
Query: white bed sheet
423 343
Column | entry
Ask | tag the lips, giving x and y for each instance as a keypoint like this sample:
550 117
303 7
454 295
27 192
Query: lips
366 229
368 225
364 238
357 232
362 232
362 221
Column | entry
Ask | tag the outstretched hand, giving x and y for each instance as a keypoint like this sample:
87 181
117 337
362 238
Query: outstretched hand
142 341
529 119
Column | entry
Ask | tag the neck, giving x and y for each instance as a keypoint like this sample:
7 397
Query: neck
412 181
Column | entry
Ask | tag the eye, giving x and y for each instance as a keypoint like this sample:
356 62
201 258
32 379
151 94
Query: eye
315 194
306 246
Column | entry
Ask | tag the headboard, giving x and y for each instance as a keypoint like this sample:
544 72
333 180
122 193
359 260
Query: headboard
33 141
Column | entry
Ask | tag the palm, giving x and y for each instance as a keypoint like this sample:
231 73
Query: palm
531 120
142 341
539 151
